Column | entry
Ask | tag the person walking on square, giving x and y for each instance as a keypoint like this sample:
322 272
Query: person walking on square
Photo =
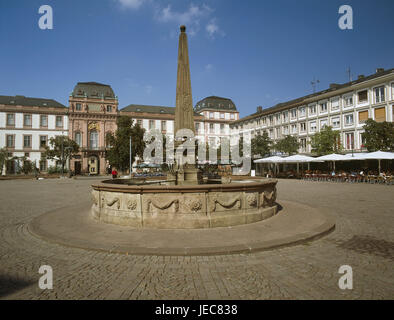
114 173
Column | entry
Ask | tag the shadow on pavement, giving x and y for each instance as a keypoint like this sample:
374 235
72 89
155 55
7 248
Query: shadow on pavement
9 284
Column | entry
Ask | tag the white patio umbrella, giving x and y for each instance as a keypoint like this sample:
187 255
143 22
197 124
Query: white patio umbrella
331 157
273 159
378 155
298 159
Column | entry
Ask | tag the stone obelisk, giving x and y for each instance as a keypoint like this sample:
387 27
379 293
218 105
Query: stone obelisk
184 174
184 112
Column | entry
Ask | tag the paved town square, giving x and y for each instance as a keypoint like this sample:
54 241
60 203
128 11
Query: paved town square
362 239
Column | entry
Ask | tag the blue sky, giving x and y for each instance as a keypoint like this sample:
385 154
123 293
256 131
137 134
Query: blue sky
255 52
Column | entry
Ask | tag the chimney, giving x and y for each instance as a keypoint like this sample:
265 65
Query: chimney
259 109
360 76
378 70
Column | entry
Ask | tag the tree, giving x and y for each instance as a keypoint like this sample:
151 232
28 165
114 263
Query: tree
60 149
326 141
378 135
3 159
261 145
288 144
118 154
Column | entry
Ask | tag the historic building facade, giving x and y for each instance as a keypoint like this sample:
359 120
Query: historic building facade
345 107
26 126
93 110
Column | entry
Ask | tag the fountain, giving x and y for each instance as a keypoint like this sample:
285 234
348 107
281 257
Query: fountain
183 200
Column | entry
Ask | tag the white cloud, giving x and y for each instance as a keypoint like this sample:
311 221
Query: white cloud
191 17
208 67
131 4
213 29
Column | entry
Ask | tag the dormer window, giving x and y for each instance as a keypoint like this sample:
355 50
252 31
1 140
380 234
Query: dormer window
109 108
138 110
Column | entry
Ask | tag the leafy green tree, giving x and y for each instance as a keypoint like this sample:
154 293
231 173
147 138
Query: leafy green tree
3 159
60 149
288 144
261 145
326 141
118 154
378 135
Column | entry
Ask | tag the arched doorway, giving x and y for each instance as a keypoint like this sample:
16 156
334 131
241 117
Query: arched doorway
93 165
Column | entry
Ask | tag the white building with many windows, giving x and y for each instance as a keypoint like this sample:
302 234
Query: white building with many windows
26 125
345 107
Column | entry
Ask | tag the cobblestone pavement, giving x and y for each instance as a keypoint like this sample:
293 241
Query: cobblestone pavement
363 239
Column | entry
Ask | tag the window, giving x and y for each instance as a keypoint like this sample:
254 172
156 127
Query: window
27 120
362 96
277 132
349 141
380 114
221 128
78 107
94 140
78 138
285 130
43 141
336 122
335 104
323 123
10 119
323 107
43 165
312 110
302 127
59 121
348 101
271 118
27 141
109 108
232 116
163 125
285 116
221 115
271 133
197 127
379 94
302 111
139 122
293 128
349 119
362 116
211 115
43 121
312 126
293 113
151 124
211 130
277 118
303 145
27 154
10 141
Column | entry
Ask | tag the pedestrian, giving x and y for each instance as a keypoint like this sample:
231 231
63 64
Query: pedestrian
114 173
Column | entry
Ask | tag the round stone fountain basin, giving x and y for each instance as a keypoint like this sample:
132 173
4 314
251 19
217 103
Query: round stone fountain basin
163 206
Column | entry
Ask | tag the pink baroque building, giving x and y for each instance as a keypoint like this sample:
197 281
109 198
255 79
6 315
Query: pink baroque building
93 110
